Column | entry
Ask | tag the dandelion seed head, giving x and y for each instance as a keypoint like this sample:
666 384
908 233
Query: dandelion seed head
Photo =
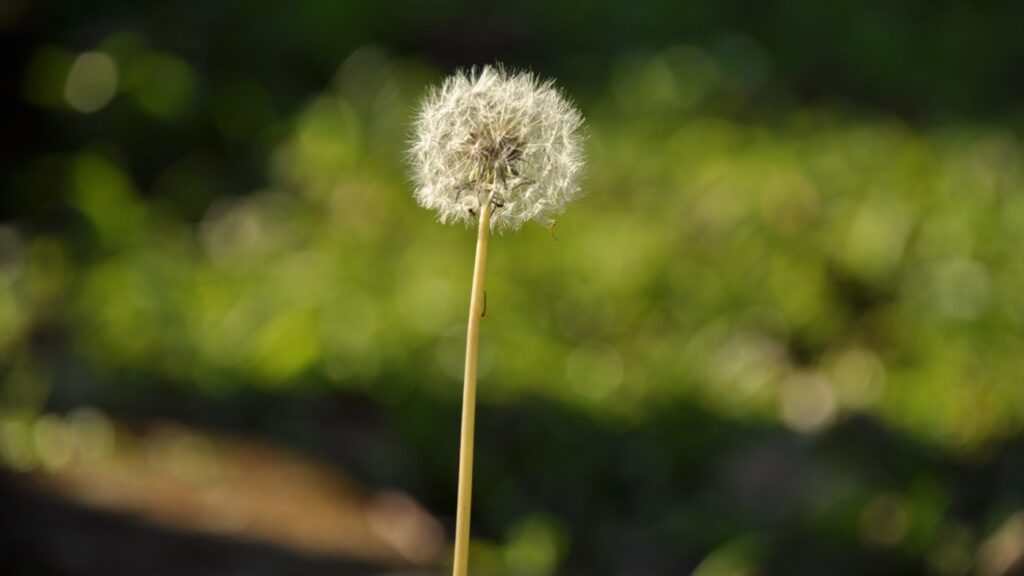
492 135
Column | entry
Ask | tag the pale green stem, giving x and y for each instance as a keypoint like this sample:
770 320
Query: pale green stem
476 312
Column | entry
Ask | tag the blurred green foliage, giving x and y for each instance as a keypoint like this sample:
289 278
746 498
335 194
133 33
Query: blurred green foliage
773 245
800 270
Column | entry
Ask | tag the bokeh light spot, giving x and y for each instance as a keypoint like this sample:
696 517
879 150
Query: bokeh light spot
163 85
806 402
92 82
1004 549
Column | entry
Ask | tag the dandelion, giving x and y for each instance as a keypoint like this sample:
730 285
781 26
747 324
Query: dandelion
499 139
499 149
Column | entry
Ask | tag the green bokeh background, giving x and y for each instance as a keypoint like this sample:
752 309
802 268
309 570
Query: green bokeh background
782 333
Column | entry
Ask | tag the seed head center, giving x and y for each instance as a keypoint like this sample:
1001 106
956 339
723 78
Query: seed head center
496 156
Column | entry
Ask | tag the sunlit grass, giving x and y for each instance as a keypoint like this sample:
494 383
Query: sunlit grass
798 269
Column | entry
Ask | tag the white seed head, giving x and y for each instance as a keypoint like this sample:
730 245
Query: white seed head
491 135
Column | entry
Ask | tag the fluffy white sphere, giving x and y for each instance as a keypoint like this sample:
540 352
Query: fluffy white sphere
492 135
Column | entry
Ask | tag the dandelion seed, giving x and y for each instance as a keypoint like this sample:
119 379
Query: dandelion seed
499 137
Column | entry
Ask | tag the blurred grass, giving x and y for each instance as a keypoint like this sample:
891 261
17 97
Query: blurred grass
799 270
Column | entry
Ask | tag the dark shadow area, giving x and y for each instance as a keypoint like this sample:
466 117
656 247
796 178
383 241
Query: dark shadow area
924 62
657 498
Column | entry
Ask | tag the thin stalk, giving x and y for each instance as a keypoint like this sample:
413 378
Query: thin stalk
476 312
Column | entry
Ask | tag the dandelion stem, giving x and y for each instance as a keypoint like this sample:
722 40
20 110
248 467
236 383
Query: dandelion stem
476 309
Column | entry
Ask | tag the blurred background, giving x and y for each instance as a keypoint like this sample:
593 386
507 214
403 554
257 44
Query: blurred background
783 333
